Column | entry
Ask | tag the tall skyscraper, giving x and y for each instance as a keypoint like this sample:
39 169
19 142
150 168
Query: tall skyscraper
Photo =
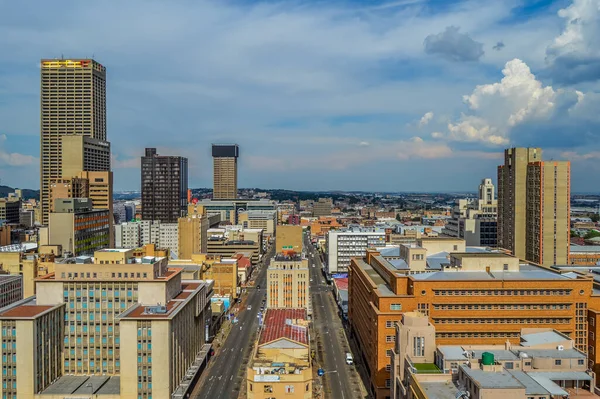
533 206
73 101
225 170
548 212
164 187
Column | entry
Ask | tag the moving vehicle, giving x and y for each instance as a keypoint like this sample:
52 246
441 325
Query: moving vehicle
249 307
349 358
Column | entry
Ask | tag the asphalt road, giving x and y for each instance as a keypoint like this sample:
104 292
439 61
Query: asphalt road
328 325
223 375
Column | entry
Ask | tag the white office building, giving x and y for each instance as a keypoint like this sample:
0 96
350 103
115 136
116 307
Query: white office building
139 233
344 244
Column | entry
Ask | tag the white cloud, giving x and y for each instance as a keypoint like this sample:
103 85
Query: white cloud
499 107
364 144
118 163
437 135
574 56
14 158
426 119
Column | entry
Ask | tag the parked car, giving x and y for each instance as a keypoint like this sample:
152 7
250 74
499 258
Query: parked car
349 358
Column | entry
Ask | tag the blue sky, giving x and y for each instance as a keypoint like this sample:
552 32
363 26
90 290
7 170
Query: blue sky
321 95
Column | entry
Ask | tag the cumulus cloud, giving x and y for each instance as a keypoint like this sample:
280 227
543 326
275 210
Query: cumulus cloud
437 135
14 158
574 56
500 106
453 45
426 119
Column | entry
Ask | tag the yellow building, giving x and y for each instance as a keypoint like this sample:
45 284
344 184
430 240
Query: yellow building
107 323
281 366
225 170
265 220
288 238
22 264
192 232
288 281
222 270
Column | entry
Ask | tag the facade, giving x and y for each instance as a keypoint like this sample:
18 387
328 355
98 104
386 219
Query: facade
143 232
584 255
107 323
288 281
97 186
73 101
229 209
283 344
164 186
83 153
322 207
533 206
259 219
548 212
225 184
488 304
9 210
544 364
11 289
21 265
221 270
289 238
78 228
344 244
192 233
128 235
475 221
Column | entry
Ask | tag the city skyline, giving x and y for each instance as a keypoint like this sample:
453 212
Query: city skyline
341 86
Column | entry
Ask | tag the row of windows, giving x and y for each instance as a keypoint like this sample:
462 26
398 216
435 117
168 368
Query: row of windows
502 292
477 334
505 321
503 306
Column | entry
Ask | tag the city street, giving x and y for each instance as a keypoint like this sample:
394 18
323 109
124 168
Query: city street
226 372
340 380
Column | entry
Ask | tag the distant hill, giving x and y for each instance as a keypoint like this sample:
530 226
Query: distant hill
27 193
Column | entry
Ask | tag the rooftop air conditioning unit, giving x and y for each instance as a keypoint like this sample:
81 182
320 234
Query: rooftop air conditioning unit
560 348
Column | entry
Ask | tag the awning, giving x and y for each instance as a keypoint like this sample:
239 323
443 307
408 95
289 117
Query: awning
546 379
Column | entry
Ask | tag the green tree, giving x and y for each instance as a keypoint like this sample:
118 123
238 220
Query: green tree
595 218
591 234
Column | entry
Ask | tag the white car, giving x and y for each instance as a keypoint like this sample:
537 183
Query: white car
311 280
249 307
349 359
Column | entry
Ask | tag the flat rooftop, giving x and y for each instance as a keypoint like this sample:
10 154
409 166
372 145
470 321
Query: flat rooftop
438 390
493 380
542 338
484 276
84 385
476 254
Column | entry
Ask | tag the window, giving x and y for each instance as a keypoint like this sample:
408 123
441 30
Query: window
396 306
419 346
388 367
506 267
388 353
557 362
390 338
389 324
580 362
509 365
268 389
289 389
388 383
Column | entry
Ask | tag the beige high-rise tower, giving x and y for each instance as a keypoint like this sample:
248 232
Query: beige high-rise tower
225 170
534 206
548 212
73 102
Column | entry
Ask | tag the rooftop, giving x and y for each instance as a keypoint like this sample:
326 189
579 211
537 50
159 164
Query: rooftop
280 323
492 380
84 385
542 338
341 283
593 249
439 390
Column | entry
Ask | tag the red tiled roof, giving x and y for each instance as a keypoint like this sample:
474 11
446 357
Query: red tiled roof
341 283
25 311
183 295
243 262
187 286
275 326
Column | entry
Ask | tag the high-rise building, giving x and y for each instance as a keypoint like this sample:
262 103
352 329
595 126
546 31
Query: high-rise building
288 281
164 186
322 207
344 244
9 210
73 102
225 170
77 227
109 326
475 220
548 212
530 223
192 232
